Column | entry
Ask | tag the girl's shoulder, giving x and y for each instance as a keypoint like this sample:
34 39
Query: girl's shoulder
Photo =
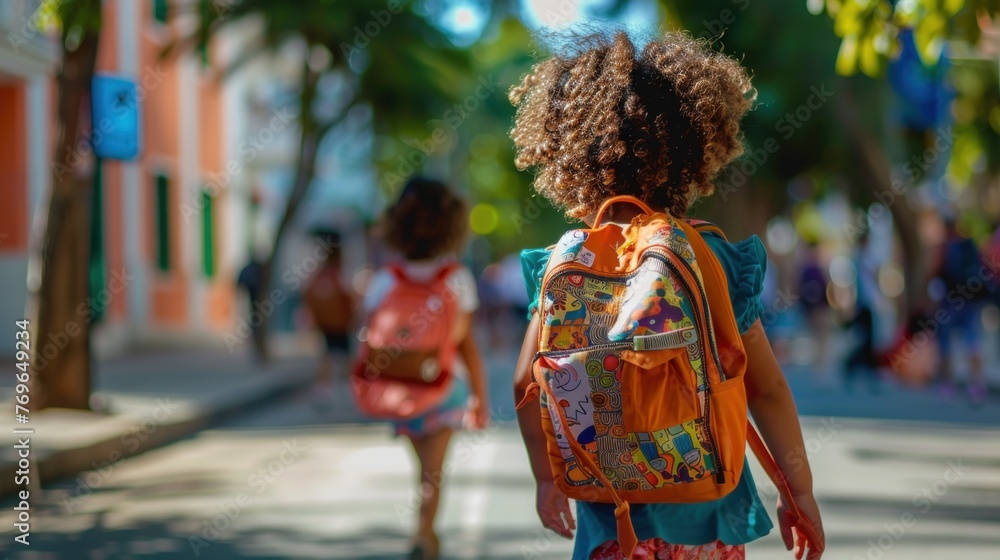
744 263
535 260
460 280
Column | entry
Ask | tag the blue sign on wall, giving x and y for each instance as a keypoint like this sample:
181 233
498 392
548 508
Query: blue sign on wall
115 107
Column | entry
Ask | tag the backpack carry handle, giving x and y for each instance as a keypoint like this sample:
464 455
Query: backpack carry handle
616 199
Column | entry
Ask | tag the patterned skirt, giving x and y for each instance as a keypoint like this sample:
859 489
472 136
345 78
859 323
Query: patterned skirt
450 413
657 549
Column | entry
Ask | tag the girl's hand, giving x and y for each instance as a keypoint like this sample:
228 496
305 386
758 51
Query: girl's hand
553 509
479 414
793 537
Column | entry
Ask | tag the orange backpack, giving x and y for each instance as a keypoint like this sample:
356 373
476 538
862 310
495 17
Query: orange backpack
329 301
404 365
640 368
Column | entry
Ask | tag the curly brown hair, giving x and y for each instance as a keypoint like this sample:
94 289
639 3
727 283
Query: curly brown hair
605 122
427 221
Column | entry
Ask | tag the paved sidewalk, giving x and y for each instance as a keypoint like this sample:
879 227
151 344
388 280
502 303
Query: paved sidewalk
282 484
148 400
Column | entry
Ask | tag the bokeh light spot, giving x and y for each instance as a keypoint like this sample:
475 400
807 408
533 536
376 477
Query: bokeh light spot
781 238
842 271
891 280
483 219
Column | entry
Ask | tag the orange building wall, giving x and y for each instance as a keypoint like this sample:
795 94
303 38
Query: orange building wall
13 170
114 242
220 293
160 114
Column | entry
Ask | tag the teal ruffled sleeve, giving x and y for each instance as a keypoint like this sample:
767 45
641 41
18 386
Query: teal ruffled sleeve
744 264
533 263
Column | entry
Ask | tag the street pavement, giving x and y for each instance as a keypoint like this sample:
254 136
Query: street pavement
142 401
900 475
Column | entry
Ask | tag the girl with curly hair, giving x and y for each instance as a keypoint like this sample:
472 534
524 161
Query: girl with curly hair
426 228
658 124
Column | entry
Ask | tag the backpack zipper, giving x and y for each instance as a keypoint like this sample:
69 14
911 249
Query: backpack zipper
720 474
704 299
591 348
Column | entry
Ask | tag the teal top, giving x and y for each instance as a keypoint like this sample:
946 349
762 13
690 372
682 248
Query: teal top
740 516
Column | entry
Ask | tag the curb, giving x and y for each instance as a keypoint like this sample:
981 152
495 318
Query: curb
51 465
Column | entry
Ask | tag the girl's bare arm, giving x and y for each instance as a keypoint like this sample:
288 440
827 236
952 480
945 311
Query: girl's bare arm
529 418
773 409
469 351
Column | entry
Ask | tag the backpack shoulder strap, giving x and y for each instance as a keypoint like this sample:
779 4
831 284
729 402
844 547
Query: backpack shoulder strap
396 269
446 270
703 226
717 290
799 521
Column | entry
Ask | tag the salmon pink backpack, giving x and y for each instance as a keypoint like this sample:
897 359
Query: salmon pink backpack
640 367
404 365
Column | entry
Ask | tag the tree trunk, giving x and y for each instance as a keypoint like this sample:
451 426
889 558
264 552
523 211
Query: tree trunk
310 137
61 364
898 202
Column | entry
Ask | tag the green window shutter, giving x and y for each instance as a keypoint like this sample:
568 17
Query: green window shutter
163 223
207 235
203 54
161 10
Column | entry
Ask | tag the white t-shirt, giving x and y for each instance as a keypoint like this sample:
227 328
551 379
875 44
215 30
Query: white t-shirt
460 281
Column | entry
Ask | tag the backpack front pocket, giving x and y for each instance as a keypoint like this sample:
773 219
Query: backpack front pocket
658 392
641 426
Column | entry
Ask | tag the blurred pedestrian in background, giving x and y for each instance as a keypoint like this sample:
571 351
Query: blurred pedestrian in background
331 304
250 279
862 361
813 302
427 228
505 303
966 290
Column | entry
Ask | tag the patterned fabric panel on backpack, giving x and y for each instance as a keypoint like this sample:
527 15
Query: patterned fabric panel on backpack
590 315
